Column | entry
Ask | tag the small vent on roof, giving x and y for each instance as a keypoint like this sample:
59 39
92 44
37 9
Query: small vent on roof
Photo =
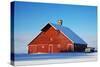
60 22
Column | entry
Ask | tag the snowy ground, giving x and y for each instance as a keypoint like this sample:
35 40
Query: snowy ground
37 59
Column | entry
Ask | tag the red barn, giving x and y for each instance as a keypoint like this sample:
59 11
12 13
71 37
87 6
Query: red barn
55 38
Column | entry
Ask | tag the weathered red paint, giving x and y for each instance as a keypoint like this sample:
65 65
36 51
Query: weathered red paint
50 41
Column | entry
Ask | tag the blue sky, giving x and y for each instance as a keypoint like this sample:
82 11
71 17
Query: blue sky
29 18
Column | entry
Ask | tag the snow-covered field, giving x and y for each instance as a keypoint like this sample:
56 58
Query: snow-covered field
37 59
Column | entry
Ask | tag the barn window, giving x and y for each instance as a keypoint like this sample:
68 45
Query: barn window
59 46
42 46
51 39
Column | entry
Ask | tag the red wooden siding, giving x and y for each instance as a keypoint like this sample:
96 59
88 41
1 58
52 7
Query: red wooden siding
50 41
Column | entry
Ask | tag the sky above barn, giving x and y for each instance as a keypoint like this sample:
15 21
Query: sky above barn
30 18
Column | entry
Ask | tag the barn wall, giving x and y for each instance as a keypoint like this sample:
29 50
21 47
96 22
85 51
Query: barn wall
51 37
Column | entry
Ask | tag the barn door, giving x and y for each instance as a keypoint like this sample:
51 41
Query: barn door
50 48
71 48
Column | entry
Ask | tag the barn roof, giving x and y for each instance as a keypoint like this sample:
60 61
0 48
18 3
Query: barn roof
69 33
